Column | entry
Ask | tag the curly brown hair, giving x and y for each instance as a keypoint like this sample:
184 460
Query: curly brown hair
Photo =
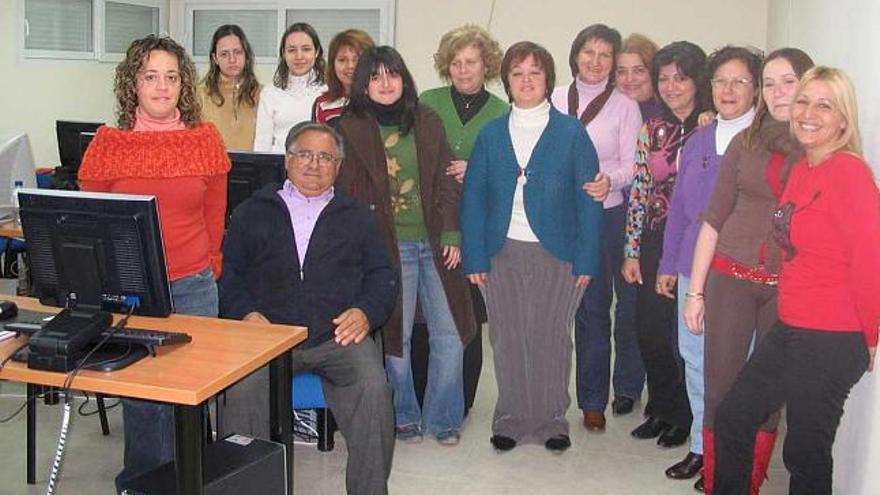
460 37
125 83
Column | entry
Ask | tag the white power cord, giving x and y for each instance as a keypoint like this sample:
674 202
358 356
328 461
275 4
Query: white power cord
59 451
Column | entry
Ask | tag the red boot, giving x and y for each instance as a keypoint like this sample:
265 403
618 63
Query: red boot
708 460
764 442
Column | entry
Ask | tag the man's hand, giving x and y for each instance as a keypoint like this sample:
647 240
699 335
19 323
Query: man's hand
666 285
256 317
351 326
600 187
632 271
451 257
479 279
456 169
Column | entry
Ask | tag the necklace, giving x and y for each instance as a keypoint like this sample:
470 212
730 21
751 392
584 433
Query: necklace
469 102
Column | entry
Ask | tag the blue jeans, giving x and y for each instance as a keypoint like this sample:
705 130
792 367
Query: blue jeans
148 427
690 347
593 326
444 396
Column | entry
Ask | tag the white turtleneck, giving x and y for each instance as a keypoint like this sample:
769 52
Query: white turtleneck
281 109
727 129
526 126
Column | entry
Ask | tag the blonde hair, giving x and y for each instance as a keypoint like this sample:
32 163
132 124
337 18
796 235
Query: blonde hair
460 37
844 95
640 45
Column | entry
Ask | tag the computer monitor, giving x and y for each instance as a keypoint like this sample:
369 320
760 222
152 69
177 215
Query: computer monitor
16 165
250 172
69 147
96 251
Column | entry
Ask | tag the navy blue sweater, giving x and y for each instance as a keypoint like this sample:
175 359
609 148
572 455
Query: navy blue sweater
347 265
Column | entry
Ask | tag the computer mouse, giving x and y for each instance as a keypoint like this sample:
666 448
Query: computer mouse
8 309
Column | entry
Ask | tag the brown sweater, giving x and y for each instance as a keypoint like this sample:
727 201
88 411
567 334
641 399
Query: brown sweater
743 202
236 122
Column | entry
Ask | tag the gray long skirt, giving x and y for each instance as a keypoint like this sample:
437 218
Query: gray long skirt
531 299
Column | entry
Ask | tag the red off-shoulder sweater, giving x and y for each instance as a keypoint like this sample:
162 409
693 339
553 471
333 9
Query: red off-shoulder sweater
185 169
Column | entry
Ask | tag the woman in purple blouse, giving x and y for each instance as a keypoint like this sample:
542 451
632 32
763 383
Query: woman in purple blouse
735 73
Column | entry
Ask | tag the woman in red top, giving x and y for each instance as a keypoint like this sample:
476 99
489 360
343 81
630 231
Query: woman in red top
161 148
828 226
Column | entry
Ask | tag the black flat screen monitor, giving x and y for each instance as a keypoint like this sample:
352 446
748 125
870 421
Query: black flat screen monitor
70 148
96 251
251 171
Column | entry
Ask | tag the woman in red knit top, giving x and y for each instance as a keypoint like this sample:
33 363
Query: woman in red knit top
828 226
161 148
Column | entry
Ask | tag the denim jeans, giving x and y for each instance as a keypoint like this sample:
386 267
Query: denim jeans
148 427
444 396
593 326
690 347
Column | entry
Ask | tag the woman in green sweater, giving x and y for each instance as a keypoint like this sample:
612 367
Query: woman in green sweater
467 58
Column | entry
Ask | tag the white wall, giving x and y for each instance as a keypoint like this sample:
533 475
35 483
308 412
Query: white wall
844 34
34 93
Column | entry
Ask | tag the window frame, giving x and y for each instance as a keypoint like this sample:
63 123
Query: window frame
97 52
184 28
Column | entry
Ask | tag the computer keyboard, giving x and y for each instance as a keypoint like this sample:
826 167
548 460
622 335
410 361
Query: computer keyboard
151 339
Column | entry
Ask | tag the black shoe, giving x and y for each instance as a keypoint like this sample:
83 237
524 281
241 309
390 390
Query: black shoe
687 468
502 443
673 437
559 443
700 485
653 427
621 405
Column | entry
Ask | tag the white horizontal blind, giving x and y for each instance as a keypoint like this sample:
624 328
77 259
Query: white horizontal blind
260 27
329 22
62 25
124 23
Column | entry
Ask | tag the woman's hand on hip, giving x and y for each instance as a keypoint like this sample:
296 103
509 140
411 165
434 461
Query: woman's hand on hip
632 271
451 257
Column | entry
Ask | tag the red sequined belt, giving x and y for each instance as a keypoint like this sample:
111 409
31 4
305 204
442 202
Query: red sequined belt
757 274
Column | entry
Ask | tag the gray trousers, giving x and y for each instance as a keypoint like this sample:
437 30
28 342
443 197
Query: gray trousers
357 393
531 299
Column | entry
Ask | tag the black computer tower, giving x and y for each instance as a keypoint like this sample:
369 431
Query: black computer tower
234 465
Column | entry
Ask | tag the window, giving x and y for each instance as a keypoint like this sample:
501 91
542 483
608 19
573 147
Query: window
265 21
88 29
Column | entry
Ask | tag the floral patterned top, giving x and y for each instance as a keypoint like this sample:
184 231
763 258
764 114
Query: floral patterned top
403 183
656 166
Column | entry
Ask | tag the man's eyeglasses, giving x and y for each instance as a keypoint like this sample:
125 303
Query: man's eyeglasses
305 157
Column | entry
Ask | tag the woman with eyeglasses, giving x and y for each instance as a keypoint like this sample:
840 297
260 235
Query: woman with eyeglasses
732 292
678 76
299 80
828 228
162 148
396 160
735 79
229 93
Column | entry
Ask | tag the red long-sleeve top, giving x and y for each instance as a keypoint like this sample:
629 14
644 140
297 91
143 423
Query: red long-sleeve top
833 281
185 169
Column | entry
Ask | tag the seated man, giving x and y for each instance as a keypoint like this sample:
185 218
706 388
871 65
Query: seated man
304 253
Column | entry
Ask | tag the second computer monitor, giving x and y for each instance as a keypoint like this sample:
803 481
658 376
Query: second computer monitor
70 149
251 171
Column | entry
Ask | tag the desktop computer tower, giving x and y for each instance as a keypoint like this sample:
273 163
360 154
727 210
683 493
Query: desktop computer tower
234 465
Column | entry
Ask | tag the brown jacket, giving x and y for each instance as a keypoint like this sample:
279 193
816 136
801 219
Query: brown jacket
364 175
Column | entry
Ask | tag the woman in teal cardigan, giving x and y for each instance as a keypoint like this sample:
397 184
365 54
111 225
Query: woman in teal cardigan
467 57
530 240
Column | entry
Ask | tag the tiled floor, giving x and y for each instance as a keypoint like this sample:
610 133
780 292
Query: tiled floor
610 463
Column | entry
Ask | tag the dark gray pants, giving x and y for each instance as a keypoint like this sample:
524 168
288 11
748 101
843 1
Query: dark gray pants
357 393
531 298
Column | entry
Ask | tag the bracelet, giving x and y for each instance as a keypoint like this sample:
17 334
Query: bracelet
693 295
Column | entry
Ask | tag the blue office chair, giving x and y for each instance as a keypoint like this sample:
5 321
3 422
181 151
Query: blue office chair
308 394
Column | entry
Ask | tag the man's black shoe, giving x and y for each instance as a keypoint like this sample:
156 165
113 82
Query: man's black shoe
651 428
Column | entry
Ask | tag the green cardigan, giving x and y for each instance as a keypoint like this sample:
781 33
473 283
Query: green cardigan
461 137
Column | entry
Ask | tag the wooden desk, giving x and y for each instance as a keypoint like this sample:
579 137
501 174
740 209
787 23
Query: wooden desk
11 229
221 353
